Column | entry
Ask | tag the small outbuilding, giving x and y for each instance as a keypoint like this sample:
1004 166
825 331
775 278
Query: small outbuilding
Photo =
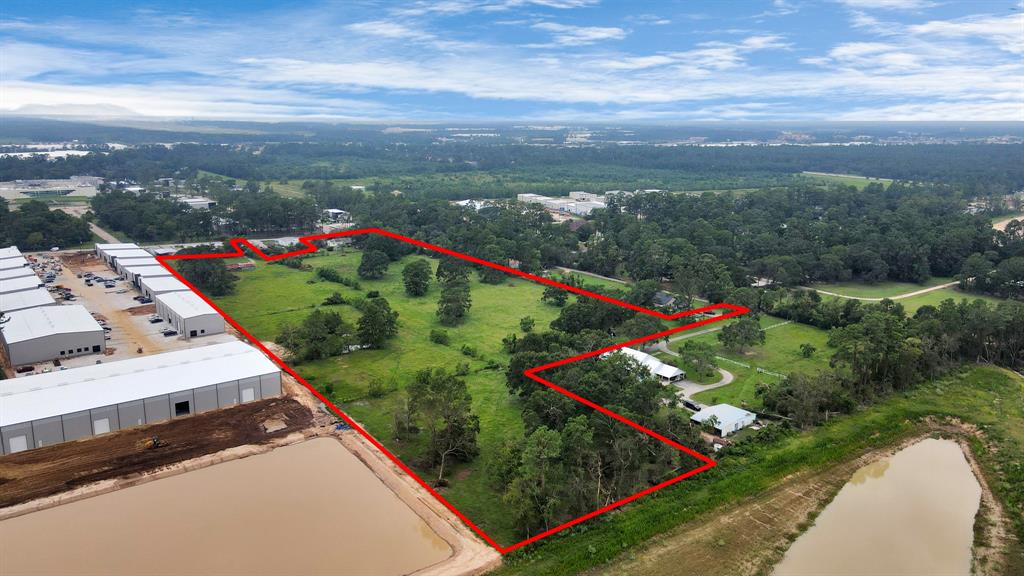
154 286
25 299
189 314
47 409
47 333
728 418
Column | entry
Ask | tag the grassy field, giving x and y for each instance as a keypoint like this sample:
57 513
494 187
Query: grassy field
860 182
272 295
991 398
880 290
780 353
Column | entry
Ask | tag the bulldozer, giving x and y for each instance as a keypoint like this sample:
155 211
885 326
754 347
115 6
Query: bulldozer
151 443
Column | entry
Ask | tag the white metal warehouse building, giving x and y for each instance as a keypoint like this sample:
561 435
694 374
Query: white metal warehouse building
665 373
8 285
155 285
103 249
16 272
47 333
25 299
56 407
9 252
134 273
16 262
189 314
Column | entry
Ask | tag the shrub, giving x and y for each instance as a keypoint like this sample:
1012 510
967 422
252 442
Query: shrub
440 337
468 350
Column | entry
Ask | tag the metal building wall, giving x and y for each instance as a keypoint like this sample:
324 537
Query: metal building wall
131 413
270 385
77 425
48 431
206 399
49 347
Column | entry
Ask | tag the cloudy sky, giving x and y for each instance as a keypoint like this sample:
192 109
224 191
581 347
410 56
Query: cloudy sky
546 60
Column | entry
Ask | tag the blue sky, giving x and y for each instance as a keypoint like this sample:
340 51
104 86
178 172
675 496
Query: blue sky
540 60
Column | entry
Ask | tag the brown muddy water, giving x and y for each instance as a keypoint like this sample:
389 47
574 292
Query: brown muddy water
308 508
909 514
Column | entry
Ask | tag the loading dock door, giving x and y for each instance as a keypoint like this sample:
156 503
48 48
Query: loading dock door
248 394
18 444
101 426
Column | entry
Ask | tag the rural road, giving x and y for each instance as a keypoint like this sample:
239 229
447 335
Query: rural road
688 387
591 274
78 211
103 233
897 297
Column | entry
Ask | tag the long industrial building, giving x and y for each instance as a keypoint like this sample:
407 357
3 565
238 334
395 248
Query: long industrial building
9 252
16 262
156 285
56 407
16 272
8 285
103 249
47 333
25 299
189 314
134 273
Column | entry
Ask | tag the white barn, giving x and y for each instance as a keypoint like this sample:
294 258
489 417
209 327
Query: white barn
47 409
47 333
189 314
25 299
665 373
154 286
730 418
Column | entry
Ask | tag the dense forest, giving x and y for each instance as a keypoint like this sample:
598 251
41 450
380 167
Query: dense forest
34 227
506 169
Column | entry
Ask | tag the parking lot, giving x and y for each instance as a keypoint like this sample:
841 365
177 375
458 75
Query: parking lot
127 322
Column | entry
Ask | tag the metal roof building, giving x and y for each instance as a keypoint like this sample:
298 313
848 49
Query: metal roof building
16 272
56 407
189 314
121 263
155 285
103 249
47 333
666 373
729 418
25 299
136 272
8 285
9 252
16 262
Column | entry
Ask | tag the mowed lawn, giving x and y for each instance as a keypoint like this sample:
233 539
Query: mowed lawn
859 182
780 353
879 290
272 295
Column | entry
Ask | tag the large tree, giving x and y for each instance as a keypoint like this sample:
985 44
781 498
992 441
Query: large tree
373 265
210 275
416 276
378 323
441 404
744 333
455 300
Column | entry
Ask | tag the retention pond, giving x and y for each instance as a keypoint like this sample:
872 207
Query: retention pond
307 508
909 514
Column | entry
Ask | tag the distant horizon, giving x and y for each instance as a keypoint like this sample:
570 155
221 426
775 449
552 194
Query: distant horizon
539 61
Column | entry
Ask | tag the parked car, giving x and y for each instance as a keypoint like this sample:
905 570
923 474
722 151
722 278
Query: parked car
145 300
155 320
170 332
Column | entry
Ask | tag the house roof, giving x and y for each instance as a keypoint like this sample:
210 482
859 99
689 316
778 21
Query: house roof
9 252
726 414
653 365
186 304
25 299
64 392
163 284
20 283
33 323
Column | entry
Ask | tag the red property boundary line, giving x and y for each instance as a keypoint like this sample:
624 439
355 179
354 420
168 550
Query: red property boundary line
531 373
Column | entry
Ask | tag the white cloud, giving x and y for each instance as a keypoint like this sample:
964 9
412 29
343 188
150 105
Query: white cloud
566 35
888 4
1006 32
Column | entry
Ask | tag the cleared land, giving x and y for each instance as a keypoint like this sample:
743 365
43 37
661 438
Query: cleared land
858 182
879 290
271 295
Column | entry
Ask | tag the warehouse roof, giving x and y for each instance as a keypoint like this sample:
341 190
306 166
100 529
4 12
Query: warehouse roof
20 283
136 262
46 321
16 262
147 270
64 392
16 272
163 283
9 252
128 253
186 304
106 247
25 299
